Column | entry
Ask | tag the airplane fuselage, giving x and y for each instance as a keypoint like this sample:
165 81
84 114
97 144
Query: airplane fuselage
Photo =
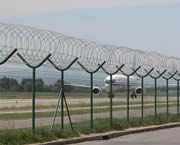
119 82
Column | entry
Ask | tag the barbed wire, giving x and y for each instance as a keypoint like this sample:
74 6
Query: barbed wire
35 44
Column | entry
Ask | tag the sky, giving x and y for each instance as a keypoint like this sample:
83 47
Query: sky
150 25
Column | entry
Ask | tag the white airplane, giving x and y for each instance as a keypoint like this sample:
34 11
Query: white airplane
119 82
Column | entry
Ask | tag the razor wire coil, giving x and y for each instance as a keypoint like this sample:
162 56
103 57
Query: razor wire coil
35 44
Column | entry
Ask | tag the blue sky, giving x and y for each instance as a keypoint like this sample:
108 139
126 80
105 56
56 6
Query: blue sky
140 24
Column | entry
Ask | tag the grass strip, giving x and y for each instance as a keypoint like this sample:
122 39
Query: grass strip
75 95
41 107
22 116
42 134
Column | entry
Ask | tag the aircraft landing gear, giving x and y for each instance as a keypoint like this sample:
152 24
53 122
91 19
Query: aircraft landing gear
133 95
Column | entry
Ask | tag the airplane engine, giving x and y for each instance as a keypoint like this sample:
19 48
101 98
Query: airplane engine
96 91
138 91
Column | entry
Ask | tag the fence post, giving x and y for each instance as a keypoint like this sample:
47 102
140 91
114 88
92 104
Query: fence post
128 89
91 87
155 90
63 98
177 94
110 93
33 85
178 97
167 89
142 86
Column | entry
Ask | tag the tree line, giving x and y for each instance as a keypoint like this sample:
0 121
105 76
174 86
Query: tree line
12 85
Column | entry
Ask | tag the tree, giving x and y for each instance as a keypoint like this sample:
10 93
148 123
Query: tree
57 85
4 83
13 85
39 85
27 85
8 84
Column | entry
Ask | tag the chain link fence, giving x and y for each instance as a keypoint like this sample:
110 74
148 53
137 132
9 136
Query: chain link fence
50 77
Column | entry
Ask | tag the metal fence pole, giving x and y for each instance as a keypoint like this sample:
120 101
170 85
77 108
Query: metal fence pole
178 97
111 101
33 84
62 101
155 90
155 97
57 106
91 87
177 94
63 98
142 86
142 98
167 97
110 93
91 78
128 89
33 98
167 89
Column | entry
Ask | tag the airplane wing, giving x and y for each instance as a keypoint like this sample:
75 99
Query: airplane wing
77 85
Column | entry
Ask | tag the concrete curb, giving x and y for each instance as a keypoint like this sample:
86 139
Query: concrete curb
109 135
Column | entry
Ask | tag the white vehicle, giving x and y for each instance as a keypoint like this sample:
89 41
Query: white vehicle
119 82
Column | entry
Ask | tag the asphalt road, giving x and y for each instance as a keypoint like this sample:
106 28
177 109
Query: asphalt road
160 137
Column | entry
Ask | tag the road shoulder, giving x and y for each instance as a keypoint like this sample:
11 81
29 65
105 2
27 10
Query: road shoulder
109 135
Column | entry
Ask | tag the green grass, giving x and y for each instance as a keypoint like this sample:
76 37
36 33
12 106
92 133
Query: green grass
43 134
41 107
54 95
21 116
28 95
25 136
38 107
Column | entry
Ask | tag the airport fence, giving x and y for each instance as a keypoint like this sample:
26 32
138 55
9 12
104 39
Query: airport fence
38 48
64 104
